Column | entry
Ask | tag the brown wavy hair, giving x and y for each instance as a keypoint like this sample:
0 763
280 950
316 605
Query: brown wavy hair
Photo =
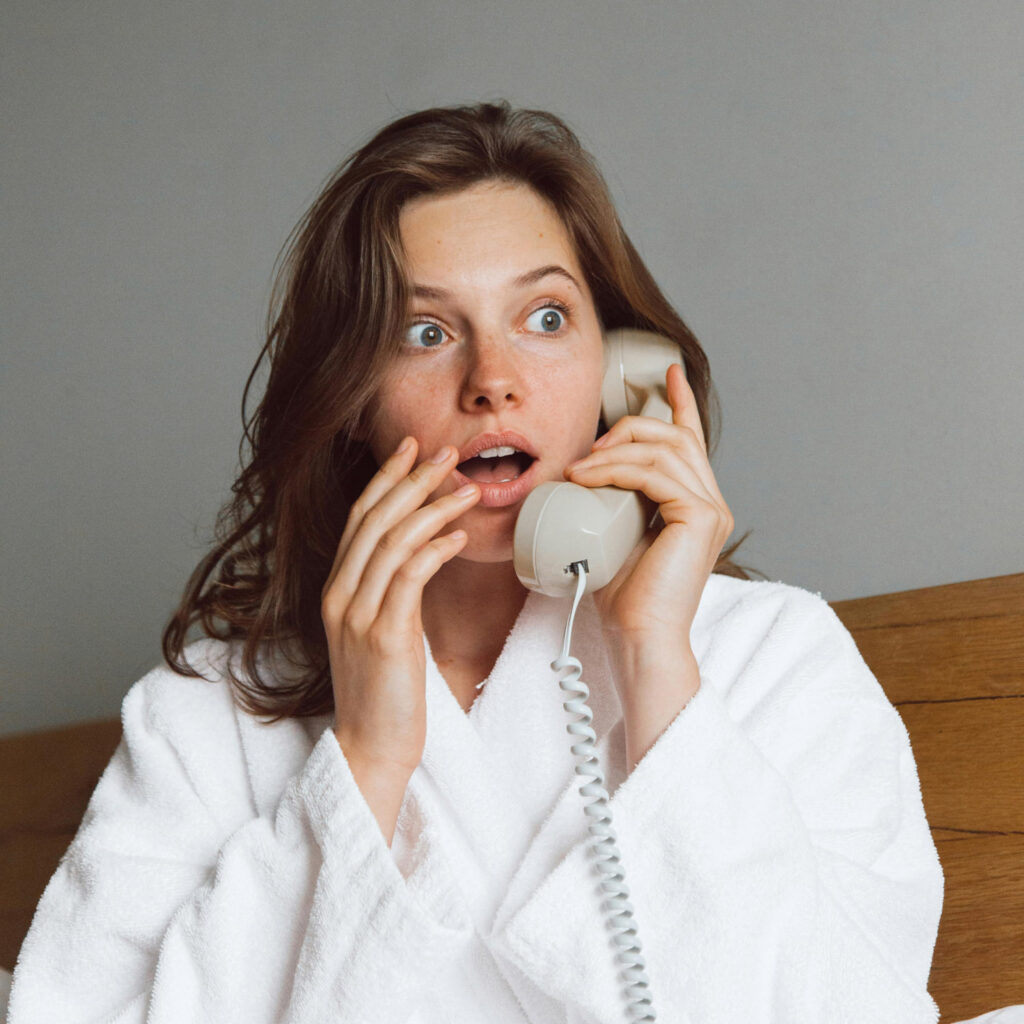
336 319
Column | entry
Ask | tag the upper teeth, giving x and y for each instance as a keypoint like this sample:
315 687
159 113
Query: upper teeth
493 453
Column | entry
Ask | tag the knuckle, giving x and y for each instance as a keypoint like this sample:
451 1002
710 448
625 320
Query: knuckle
668 461
374 518
689 436
412 569
332 606
355 623
388 542
379 638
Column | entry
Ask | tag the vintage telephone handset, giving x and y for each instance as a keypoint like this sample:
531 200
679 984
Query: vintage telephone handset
570 539
563 523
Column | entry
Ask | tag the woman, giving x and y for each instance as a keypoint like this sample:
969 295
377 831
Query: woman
403 839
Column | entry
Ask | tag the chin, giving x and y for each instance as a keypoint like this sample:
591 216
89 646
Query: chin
488 553
489 541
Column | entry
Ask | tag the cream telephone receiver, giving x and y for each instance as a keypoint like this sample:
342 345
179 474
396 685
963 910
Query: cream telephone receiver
561 524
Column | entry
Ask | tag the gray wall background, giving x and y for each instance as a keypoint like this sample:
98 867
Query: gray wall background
832 195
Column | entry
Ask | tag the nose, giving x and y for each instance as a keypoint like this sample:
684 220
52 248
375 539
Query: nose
492 379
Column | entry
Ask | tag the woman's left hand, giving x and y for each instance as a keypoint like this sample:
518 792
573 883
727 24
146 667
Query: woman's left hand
651 602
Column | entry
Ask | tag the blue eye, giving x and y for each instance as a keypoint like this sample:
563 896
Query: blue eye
546 320
424 335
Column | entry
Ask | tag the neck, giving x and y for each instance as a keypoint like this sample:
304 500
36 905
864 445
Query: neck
469 608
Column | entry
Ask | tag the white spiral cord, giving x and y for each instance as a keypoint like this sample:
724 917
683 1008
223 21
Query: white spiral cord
603 848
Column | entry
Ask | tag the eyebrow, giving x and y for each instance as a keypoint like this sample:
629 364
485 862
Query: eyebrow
522 281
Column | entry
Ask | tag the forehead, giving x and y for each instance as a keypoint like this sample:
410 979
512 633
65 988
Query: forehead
490 223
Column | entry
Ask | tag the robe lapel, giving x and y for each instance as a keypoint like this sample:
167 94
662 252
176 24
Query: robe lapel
498 773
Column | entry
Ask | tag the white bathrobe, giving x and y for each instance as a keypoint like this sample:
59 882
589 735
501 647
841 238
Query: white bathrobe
773 838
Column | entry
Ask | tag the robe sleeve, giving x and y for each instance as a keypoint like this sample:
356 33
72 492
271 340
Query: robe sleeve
177 901
775 847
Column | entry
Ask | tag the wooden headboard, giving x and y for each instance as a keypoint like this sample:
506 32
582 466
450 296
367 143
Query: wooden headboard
46 779
950 658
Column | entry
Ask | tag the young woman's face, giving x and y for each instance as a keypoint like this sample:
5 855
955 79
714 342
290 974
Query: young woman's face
503 350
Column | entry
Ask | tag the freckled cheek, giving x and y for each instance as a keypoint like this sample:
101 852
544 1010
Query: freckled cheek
415 413
393 425
574 404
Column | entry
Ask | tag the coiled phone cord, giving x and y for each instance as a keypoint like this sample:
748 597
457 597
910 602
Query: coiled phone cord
603 848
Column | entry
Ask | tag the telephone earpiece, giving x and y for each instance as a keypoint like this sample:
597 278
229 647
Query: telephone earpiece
561 523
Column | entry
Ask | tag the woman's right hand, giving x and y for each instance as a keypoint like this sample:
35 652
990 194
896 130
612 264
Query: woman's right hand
371 608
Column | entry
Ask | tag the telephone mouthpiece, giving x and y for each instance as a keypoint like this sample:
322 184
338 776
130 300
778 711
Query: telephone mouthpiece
563 523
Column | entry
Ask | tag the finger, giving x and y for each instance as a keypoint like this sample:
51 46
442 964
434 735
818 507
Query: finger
394 469
647 428
676 503
401 607
631 430
663 489
684 413
660 457
684 404
407 493
397 548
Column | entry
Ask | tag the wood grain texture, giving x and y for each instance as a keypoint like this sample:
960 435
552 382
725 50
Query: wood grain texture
943 643
979 958
951 659
970 759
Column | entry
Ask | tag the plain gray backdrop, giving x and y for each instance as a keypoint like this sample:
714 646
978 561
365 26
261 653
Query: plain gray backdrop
831 195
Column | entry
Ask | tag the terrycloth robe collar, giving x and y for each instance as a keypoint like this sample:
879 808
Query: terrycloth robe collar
498 770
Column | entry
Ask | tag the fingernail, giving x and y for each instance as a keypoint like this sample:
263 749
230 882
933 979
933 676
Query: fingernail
442 456
602 440
404 446
465 491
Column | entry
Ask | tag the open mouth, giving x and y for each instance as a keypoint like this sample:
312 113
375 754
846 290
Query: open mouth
496 465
